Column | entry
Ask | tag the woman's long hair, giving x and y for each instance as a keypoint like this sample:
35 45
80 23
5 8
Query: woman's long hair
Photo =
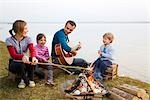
18 27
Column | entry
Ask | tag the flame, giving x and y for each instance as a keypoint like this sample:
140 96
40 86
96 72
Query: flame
90 78
94 85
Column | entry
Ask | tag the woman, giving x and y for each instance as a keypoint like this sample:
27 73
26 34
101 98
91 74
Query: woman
18 45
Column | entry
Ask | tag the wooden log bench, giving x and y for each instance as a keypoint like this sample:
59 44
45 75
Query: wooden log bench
12 76
111 72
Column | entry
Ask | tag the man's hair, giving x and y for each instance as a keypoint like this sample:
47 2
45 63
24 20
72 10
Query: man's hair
71 22
109 36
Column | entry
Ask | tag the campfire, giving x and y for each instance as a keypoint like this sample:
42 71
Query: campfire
85 85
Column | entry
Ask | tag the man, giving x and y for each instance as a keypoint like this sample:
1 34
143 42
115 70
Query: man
61 37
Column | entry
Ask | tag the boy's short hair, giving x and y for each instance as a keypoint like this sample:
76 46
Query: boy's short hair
109 35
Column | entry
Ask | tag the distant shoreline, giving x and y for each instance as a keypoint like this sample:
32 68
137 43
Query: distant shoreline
1 41
85 22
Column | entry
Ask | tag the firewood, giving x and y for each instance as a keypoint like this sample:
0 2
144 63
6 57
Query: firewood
124 94
134 91
73 97
141 94
115 96
135 88
145 97
97 99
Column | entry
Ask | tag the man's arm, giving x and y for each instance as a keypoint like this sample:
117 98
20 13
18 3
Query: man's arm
63 42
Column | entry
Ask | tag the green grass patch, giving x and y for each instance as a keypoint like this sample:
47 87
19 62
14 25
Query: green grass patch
4 56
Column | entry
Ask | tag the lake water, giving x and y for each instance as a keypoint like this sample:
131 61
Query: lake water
132 43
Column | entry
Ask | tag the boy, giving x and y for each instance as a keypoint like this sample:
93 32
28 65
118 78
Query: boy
105 56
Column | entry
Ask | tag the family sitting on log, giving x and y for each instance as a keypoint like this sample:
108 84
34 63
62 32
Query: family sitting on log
24 64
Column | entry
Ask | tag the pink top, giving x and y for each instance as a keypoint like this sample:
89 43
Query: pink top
42 53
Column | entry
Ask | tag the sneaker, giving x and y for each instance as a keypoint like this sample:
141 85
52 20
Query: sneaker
50 82
22 84
31 84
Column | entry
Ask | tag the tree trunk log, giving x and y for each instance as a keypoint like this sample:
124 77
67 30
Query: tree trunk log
124 94
135 91
115 96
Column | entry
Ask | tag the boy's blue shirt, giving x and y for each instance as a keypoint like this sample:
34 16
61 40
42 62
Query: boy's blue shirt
108 53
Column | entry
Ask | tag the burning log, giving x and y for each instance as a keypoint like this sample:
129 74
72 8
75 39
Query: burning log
95 86
86 86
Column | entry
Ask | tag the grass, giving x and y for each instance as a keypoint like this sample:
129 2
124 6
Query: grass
9 90
3 59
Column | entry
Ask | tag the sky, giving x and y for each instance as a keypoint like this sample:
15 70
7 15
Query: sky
78 10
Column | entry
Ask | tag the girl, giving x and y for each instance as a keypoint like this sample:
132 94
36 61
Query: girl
105 56
17 45
42 54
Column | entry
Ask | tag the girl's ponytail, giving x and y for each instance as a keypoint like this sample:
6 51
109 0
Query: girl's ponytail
11 33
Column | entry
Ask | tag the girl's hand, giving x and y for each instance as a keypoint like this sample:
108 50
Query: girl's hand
44 60
34 61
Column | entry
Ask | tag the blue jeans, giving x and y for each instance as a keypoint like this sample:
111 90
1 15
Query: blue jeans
76 62
100 67
79 62
49 71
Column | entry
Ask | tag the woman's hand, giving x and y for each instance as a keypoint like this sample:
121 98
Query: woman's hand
25 59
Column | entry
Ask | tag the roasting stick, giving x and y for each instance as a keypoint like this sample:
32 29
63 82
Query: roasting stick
59 66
